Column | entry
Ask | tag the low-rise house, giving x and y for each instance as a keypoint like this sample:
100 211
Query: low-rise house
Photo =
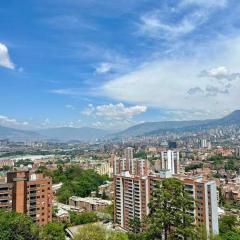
89 203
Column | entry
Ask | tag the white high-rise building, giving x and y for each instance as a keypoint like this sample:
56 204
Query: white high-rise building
203 143
169 160
128 154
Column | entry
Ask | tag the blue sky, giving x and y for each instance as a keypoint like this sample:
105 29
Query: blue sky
113 64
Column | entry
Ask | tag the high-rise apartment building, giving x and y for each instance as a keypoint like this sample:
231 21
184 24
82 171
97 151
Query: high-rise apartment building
134 166
204 194
133 193
131 201
169 160
128 153
206 204
6 191
203 143
28 193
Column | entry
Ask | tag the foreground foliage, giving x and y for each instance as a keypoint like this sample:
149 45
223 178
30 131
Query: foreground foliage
16 226
229 228
169 211
82 218
53 231
97 232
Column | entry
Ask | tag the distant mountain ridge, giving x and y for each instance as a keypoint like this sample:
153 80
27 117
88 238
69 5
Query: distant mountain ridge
87 133
157 127
59 134
70 133
16 134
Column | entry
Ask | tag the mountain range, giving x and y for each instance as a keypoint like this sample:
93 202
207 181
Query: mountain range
87 133
58 134
70 133
16 134
149 128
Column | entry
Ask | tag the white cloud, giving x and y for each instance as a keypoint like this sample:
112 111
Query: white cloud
179 115
153 25
104 68
5 60
119 111
185 17
5 119
47 123
214 91
195 91
114 111
99 124
209 91
89 110
116 124
165 83
12 122
220 73
206 3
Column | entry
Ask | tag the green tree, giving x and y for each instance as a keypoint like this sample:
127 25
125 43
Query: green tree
139 236
7 168
76 181
65 192
227 223
97 232
52 231
24 162
140 154
44 170
109 209
16 226
231 165
201 232
231 235
83 218
193 167
169 211
135 225
229 228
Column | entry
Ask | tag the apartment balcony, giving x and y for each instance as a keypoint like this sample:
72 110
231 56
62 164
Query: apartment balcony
4 191
5 196
32 201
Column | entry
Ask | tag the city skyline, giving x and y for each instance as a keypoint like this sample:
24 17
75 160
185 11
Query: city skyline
115 64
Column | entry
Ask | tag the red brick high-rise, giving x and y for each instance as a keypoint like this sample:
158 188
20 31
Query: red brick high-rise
28 193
